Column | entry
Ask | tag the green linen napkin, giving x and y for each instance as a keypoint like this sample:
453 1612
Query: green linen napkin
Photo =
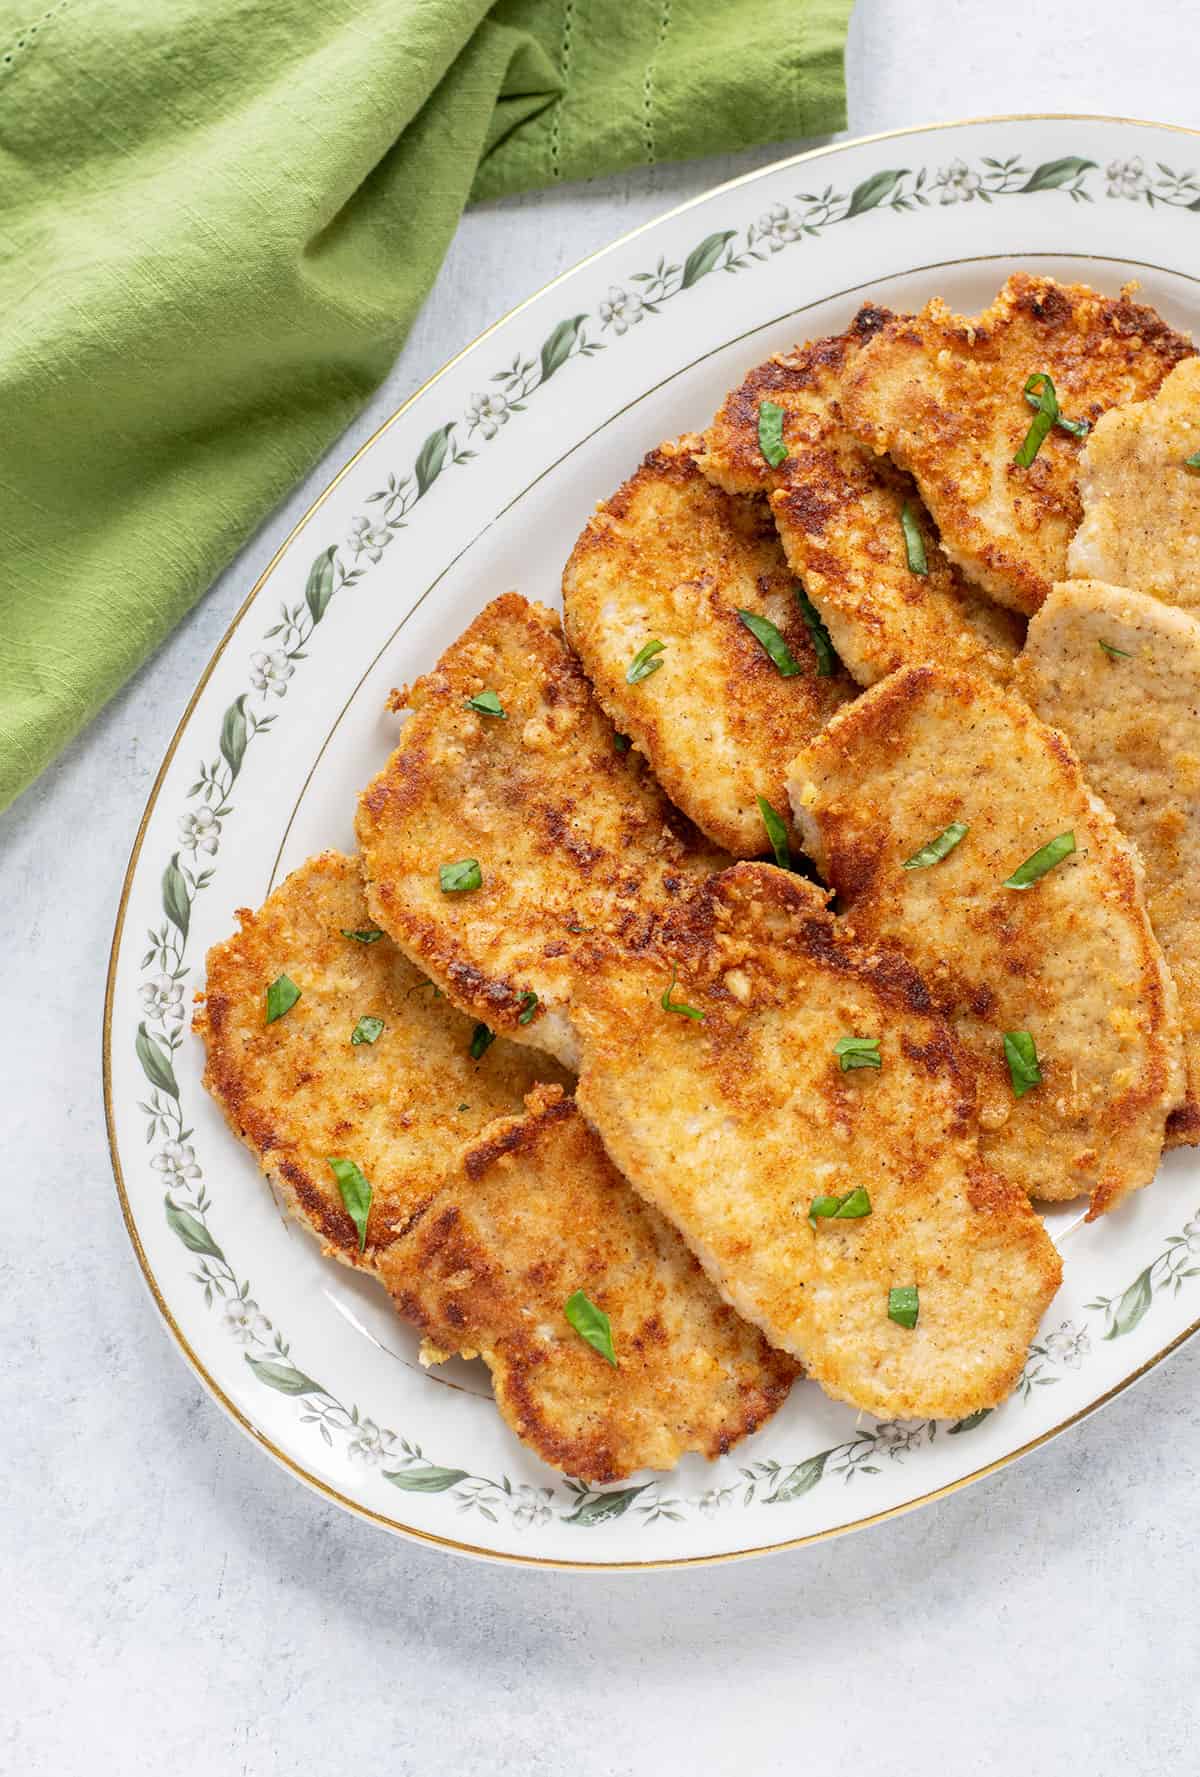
218 219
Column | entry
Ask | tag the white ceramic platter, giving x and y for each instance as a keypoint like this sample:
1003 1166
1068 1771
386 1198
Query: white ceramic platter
479 484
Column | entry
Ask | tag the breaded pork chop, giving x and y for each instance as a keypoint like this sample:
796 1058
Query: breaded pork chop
1141 502
298 1090
533 1211
732 1126
572 837
1119 673
943 396
671 558
838 510
487 1211
1069 960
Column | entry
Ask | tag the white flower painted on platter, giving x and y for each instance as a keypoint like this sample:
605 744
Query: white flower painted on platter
244 1321
956 183
163 998
369 539
200 830
487 413
1126 178
271 672
621 309
177 1163
776 229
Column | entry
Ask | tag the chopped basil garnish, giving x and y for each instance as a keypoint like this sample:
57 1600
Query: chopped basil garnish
849 1208
1020 1052
281 997
528 1003
827 660
644 662
914 542
938 848
904 1305
1042 860
356 1195
670 1005
770 433
777 833
1114 653
772 643
481 1038
487 704
1192 462
857 1052
592 1324
1039 392
367 1030
369 935
460 878
622 742
1077 428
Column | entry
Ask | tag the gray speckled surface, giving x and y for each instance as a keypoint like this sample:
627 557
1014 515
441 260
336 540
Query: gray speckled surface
174 1602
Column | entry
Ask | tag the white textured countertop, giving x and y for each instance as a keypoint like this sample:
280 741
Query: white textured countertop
175 1603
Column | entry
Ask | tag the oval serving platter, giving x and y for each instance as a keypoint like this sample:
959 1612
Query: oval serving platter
480 484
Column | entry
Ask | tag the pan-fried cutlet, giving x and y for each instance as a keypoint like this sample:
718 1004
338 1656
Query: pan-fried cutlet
839 511
1068 963
670 558
486 1212
747 1130
1141 501
532 1212
298 1090
1119 673
571 837
944 396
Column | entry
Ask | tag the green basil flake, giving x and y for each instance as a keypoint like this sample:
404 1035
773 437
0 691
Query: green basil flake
622 742
1077 428
670 1005
644 662
281 997
770 433
904 1305
857 1052
481 1039
914 542
777 833
369 935
356 1195
460 878
488 704
772 643
1192 462
1020 1052
826 653
367 1030
592 1324
849 1208
938 848
529 1005
1114 653
1039 392
1042 860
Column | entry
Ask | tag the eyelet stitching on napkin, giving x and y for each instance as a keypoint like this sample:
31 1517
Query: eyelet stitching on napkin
664 26
564 63
26 39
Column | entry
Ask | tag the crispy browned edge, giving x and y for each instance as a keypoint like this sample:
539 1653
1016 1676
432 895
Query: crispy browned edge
593 1455
877 718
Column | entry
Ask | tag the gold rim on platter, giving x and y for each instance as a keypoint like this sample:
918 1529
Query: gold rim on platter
214 1388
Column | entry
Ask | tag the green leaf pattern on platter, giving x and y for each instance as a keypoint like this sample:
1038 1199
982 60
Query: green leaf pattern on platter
270 672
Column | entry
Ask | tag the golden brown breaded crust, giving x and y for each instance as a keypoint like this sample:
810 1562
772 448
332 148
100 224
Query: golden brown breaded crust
731 1127
942 395
573 838
1072 960
1141 503
672 558
838 506
1134 720
297 1091
532 1211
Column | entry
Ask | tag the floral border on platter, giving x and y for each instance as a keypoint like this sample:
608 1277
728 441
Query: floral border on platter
285 646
